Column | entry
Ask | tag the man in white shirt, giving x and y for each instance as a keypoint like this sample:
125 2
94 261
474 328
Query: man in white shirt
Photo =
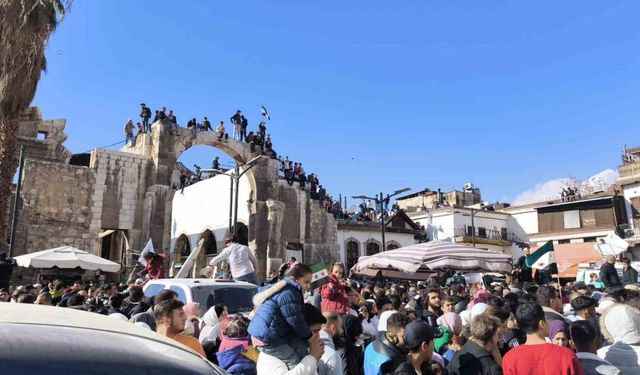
331 361
241 260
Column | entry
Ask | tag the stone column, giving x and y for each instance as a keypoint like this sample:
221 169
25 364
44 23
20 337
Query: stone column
275 248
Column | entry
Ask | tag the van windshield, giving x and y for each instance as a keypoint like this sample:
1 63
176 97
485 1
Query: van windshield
236 299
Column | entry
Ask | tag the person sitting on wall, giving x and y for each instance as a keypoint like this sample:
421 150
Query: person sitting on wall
154 267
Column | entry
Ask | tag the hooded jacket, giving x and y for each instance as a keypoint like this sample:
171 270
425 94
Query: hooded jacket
234 362
334 297
620 324
279 314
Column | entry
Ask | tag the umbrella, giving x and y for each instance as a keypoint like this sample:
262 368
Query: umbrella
436 256
66 257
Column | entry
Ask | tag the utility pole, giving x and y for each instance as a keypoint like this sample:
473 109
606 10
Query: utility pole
230 206
16 203
473 228
236 177
380 203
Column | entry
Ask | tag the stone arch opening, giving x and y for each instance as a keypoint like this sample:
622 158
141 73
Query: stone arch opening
372 247
208 251
183 249
240 152
352 250
210 201
392 245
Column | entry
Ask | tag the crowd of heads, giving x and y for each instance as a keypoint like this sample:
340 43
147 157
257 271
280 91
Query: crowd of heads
421 322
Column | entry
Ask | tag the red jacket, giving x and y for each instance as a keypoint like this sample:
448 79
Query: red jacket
155 268
334 297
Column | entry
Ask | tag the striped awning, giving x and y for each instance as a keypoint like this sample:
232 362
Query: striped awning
436 256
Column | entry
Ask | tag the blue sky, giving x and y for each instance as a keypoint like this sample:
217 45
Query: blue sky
373 96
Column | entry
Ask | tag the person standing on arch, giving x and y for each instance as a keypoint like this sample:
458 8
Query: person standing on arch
241 260
236 120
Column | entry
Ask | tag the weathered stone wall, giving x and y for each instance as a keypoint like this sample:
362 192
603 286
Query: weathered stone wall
119 191
56 211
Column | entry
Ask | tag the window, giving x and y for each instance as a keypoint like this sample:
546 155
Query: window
181 294
392 246
635 207
469 230
373 248
482 232
589 239
571 219
153 290
504 234
237 299
41 136
353 253
588 218
562 242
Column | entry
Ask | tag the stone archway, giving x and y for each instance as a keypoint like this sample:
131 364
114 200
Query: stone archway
392 245
352 252
209 249
183 249
165 147
372 247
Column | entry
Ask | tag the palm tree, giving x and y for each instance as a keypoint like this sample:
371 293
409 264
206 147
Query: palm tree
25 28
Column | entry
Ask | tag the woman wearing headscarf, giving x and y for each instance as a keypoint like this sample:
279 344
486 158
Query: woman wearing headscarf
353 355
558 333
450 325
192 310
210 330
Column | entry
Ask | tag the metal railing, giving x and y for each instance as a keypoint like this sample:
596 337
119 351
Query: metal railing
488 234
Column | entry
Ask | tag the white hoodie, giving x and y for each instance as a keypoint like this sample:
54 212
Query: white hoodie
621 325
268 364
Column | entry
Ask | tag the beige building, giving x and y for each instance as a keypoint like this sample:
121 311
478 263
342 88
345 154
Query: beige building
429 199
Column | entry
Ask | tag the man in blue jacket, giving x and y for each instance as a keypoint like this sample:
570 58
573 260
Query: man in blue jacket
278 327
386 353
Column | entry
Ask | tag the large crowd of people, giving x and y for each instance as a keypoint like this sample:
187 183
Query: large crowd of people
303 324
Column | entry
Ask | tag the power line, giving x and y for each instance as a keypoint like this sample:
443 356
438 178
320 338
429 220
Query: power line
111 145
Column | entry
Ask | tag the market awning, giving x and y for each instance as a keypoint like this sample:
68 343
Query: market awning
66 257
435 256
570 255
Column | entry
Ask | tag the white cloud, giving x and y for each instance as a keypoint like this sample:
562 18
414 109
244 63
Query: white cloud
551 189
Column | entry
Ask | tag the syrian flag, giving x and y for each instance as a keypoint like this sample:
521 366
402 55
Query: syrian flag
264 112
320 275
147 249
542 257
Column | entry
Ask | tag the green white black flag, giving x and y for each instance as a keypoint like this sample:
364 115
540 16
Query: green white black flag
320 275
542 257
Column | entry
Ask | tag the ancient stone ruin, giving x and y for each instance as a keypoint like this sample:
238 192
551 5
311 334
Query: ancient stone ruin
105 201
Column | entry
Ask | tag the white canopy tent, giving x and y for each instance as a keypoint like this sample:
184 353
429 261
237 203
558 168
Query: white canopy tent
66 257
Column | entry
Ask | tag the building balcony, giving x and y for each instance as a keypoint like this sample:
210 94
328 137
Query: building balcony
485 236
